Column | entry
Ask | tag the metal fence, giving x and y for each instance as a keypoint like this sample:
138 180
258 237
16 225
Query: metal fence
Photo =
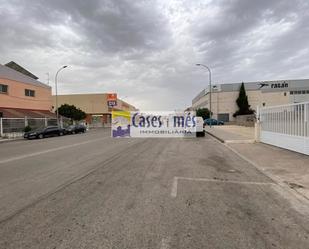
16 126
286 126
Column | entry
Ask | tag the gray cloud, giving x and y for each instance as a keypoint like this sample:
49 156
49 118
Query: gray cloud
146 49
258 36
101 26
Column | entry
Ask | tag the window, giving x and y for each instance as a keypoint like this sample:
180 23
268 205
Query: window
29 93
3 88
284 94
264 104
291 92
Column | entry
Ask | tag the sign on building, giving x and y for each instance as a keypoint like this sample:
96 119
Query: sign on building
111 99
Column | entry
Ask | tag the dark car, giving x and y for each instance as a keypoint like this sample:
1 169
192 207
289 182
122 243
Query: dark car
73 129
212 121
49 131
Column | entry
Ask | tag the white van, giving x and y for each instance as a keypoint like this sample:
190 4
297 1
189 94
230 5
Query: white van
200 127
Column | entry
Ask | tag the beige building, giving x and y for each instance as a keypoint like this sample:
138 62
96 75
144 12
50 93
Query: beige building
268 93
94 105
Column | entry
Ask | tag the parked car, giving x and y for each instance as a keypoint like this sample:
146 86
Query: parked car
73 129
49 131
212 121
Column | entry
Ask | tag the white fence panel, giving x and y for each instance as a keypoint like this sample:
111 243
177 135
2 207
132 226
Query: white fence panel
286 126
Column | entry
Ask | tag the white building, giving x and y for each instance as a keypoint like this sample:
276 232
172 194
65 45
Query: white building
266 93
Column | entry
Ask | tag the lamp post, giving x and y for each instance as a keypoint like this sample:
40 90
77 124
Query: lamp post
56 89
202 65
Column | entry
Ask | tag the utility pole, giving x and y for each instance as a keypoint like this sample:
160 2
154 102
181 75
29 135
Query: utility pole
56 89
209 71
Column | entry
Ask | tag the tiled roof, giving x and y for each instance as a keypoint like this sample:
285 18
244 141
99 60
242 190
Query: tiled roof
11 74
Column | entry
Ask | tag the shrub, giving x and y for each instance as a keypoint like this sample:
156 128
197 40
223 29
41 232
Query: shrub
27 128
203 112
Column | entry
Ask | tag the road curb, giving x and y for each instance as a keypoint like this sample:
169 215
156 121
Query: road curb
233 141
216 137
241 141
7 140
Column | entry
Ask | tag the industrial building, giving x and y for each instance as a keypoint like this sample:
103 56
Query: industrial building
95 106
266 93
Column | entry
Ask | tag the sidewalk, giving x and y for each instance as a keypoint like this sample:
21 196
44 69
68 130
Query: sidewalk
287 168
283 166
232 133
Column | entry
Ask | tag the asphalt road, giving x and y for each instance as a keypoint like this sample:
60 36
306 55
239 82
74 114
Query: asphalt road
92 191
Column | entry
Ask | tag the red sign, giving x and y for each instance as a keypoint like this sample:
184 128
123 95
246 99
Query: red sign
112 97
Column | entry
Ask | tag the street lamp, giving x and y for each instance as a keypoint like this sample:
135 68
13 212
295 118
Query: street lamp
202 65
56 88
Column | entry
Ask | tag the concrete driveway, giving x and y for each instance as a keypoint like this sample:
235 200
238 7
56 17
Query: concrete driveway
92 191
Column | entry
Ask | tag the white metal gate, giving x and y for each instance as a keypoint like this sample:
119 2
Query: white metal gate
286 126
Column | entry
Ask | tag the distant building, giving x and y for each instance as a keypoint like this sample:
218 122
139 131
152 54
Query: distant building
21 94
94 105
268 93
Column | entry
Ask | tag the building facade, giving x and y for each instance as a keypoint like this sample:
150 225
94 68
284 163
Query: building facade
270 93
22 95
94 105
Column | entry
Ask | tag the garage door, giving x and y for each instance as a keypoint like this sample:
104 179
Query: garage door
225 117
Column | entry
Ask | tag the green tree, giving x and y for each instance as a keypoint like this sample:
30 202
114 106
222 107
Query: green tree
242 102
70 111
203 112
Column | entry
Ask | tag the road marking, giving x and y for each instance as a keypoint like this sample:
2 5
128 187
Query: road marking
174 187
48 151
103 164
176 178
165 243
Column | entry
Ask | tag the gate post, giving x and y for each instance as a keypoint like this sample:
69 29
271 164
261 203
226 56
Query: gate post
306 106
1 127
257 125
61 122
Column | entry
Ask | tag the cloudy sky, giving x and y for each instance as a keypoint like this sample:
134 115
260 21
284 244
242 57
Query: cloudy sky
146 50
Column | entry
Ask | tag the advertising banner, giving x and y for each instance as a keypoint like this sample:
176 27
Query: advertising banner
153 124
